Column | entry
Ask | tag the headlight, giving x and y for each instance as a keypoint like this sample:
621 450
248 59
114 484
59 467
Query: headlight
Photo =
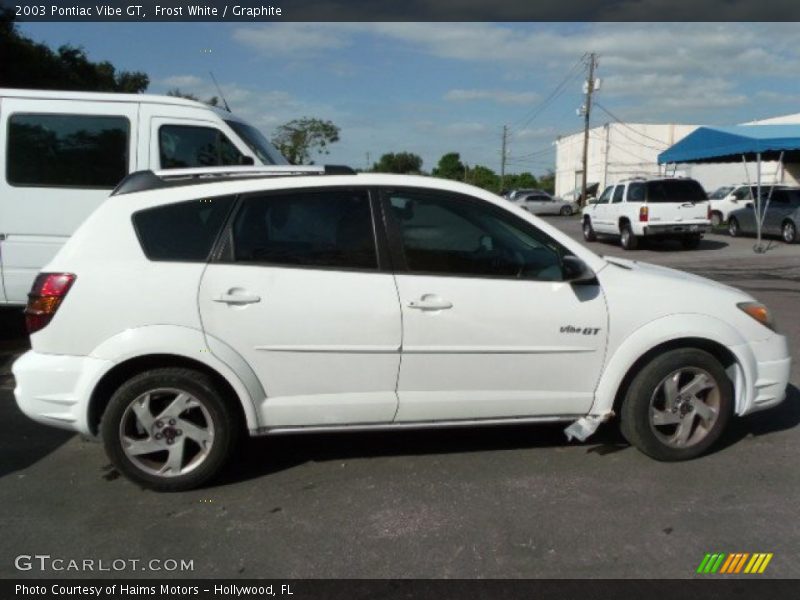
759 312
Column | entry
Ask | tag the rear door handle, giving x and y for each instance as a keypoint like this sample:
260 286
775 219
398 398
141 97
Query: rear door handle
430 302
237 298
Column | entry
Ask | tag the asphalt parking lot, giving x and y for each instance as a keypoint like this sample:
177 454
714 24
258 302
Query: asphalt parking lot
495 502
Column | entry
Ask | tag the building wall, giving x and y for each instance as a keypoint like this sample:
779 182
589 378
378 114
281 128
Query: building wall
621 151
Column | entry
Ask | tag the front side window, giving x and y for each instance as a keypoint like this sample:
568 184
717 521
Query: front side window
67 150
606 195
331 228
184 231
454 235
743 193
184 147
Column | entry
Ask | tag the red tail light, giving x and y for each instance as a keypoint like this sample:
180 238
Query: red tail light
46 295
644 214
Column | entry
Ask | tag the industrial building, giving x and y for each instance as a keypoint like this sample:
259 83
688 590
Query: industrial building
622 150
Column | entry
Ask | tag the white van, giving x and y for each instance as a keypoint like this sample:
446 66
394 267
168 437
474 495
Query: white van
61 154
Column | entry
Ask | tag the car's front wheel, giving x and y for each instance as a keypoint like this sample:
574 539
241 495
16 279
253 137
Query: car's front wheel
789 232
168 429
677 406
566 211
588 231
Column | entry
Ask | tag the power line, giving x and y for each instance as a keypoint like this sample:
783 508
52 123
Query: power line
624 124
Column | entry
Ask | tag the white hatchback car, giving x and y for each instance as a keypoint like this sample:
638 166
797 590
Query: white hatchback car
193 306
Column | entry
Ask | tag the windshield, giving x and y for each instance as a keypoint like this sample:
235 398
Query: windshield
255 140
675 190
720 193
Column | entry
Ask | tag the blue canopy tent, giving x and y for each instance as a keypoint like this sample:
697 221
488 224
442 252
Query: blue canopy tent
738 143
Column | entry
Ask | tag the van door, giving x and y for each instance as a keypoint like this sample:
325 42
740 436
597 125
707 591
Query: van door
181 137
61 158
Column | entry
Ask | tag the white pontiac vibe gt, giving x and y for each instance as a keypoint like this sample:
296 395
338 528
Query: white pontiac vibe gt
195 305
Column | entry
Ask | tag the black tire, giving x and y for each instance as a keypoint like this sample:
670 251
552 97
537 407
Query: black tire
588 231
733 227
202 389
635 416
789 232
716 218
566 211
628 239
691 242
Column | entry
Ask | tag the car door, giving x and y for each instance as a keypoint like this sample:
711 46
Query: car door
599 212
779 208
489 328
300 295
535 203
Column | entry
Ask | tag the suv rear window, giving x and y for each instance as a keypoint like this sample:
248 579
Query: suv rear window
675 190
181 232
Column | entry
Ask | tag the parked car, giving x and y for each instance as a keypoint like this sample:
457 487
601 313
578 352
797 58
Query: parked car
63 152
736 198
662 208
781 216
515 195
542 203
574 196
210 304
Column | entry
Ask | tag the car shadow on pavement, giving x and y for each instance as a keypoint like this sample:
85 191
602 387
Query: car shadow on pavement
670 246
258 457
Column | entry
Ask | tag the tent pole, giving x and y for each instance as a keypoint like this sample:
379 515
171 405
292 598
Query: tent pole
759 247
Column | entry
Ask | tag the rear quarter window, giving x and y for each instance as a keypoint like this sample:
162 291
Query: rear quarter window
184 231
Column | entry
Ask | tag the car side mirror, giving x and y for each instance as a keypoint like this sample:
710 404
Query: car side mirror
247 161
577 272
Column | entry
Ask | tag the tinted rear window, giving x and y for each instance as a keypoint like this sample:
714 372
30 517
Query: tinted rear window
675 190
181 232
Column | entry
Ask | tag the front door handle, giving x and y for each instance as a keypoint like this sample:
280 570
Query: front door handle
430 302
237 298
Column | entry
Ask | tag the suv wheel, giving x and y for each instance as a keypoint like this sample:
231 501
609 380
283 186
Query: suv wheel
789 232
716 218
588 231
168 429
691 242
628 239
733 227
678 405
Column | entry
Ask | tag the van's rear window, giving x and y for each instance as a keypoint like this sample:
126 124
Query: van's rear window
67 150
675 190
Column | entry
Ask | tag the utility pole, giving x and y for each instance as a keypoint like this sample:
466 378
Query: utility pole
587 111
503 158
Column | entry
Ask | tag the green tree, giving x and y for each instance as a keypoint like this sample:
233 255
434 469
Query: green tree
484 177
178 93
519 181
26 64
450 167
547 182
299 138
400 162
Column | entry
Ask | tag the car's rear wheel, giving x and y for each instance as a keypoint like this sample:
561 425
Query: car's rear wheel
168 429
628 240
566 211
588 231
733 227
716 218
678 405
789 232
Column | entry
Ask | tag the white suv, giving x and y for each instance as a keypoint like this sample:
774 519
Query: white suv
671 208
188 309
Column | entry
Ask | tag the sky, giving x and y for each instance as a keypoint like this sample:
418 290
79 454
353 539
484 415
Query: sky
432 88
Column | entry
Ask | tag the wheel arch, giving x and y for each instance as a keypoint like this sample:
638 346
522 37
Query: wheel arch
122 372
697 331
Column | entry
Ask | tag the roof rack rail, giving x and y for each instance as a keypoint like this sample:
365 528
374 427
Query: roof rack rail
141 181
